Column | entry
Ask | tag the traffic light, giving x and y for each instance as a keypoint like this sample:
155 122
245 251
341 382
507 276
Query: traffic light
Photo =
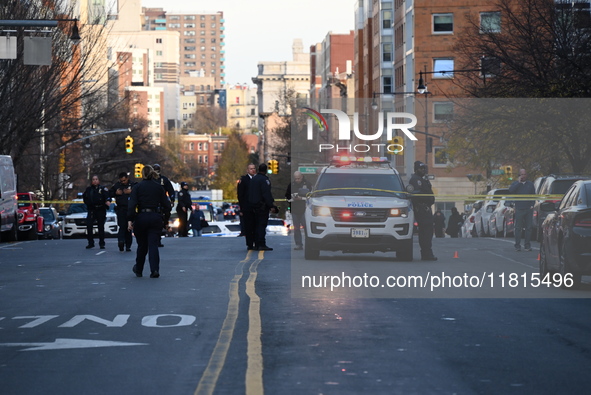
273 166
397 144
138 170
129 144
509 172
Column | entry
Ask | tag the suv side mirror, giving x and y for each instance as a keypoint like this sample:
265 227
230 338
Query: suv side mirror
548 206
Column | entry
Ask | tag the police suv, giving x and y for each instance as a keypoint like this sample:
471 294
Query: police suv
359 205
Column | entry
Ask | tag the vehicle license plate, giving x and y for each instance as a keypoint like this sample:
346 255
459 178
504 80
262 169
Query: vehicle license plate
360 233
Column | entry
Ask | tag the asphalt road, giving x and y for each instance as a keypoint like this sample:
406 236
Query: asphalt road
220 320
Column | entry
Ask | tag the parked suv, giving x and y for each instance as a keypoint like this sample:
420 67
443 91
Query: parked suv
552 185
359 205
75 221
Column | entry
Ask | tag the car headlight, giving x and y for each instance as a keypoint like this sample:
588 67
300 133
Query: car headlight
320 211
70 221
111 219
399 212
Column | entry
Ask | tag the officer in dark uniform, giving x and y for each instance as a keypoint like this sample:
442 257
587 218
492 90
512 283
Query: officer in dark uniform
167 185
147 203
97 200
246 213
183 206
121 191
420 185
261 201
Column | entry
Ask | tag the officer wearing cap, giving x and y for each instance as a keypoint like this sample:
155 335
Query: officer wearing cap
420 185
167 185
261 202
147 203
183 206
97 200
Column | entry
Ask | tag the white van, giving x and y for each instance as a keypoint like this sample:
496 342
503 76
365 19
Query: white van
8 200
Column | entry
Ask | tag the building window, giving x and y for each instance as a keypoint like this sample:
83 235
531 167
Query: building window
189 17
490 22
192 48
440 157
491 67
199 159
387 19
158 53
443 111
200 146
158 41
252 111
189 32
387 84
189 41
191 146
215 146
387 52
443 23
441 65
189 26
237 111
174 25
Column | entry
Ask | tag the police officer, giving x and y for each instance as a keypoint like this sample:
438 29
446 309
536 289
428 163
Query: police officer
296 195
97 200
167 185
246 213
420 185
147 203
261 201
121 191
183 206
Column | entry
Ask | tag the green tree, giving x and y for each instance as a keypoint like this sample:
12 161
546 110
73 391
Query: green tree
231 166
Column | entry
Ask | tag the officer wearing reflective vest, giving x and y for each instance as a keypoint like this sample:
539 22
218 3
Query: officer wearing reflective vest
420 185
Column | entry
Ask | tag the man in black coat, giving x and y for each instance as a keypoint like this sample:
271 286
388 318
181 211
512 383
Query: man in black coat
422 208
261 201
121 191
296 195
169 190
97 200
246 213
183 206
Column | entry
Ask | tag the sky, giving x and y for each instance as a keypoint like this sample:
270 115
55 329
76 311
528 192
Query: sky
263 30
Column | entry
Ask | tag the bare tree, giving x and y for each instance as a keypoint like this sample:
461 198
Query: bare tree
541 51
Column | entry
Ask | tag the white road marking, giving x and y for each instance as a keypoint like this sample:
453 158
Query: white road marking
62 344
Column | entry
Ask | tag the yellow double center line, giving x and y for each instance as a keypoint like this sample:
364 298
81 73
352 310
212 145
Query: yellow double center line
254 369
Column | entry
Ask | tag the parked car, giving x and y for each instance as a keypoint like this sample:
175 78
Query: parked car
29 221
52 224
552 185
74 223
497 218
482 217
469 227
221 229
278 227
509 228
566 234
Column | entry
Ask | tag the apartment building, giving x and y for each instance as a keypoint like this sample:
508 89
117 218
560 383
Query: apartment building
241 108
201 40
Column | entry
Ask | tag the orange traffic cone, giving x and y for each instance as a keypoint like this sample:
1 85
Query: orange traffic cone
456 255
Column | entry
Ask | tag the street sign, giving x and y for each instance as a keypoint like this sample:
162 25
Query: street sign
497 172
307 170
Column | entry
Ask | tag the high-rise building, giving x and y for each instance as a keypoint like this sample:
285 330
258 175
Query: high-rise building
201 40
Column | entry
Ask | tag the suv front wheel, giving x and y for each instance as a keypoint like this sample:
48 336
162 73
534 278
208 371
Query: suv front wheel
404 252
310 252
